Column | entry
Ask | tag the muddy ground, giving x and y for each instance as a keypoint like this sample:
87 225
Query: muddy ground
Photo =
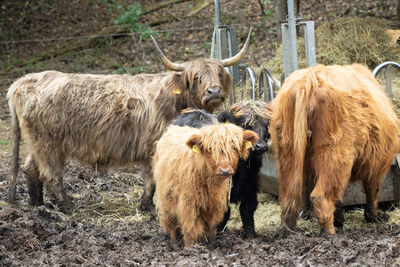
101 233
107 228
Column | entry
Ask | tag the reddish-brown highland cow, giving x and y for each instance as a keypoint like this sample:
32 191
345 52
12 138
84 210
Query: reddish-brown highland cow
331 125
191 171
105 120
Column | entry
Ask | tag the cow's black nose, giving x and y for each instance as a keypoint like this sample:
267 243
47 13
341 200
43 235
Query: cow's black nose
261 146
213 91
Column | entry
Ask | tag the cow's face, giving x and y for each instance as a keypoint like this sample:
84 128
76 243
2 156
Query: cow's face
206 79
207 82
250 115
221 146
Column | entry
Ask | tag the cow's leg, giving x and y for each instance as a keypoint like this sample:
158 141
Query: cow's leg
332 179
308 185
146 203
338 215
371 213
324 208
227 215
248 205
56 189
192 227
211 233
170 226
288 214
51 168
35 186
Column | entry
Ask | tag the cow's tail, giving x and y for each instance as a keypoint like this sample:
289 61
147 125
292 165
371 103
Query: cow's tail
293 201
15 163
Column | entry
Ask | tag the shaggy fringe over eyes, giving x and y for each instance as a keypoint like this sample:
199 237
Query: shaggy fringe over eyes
251 110
191 70
228 146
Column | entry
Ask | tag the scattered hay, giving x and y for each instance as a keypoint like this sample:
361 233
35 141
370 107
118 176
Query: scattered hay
115 206
267 218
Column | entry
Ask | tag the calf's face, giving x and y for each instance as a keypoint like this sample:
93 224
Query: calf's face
257 125
222 155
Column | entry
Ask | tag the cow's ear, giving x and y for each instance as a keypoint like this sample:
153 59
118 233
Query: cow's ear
250 138
226 117
228 82
177 84
194 143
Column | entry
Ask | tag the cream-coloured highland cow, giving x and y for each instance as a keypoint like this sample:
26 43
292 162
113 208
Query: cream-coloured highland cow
191 170
105 120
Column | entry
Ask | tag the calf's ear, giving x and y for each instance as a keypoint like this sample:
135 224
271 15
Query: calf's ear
250 138
194 143
226 117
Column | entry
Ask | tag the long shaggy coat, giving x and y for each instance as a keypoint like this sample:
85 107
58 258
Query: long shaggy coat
331 125
102 120
191 170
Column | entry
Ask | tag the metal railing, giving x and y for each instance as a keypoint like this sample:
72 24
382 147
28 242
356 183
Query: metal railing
265 84
388 65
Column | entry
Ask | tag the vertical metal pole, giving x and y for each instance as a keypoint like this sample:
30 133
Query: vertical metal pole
292 37
222 44
217 13
233 47
389 81
286 53
216 25
309 39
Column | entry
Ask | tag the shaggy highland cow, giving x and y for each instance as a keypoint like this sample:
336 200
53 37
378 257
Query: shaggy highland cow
331 125
105 120
250 115
191 170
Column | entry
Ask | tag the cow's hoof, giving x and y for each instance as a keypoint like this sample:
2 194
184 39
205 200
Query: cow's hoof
338 220
338 224
176 244
67 207
248 232
146 205
285 231
381 217
307 215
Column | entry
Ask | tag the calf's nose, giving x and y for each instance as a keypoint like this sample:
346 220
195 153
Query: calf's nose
225 171
261 146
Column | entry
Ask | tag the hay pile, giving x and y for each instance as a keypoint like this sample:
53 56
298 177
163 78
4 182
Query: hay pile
345 41
350 40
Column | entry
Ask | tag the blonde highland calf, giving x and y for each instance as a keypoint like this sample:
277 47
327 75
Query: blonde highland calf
191 170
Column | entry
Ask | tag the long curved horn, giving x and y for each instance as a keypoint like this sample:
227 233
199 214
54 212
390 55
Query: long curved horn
168 64
236 58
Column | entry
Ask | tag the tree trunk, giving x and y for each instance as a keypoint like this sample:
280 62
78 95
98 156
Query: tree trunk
281 12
